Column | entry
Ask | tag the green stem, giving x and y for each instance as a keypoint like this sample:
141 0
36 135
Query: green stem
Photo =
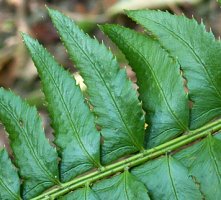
132 161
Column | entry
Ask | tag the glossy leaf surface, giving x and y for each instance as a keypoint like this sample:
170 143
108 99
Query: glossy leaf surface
160 83
36 159
124 186
166 178
180 168
71 118
115 103
9 180
204 163
198 54
81 194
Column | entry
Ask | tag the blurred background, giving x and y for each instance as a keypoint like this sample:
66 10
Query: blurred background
17 71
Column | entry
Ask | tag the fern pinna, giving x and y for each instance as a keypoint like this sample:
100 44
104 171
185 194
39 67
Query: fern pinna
178 155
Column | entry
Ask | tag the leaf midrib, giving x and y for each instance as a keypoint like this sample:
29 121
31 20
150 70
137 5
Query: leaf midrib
125 184
69 117
8 190
171 177
35 154
212 154
192 50
85 193
140 147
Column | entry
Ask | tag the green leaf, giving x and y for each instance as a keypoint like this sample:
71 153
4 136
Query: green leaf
204 163
72 120
35 158
124 187
160 83
81 194
166 178
115 103
9 180
218 136
199 55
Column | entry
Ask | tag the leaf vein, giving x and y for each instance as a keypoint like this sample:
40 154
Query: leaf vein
161 90
69 116
214 160
140 147
35 154
8 190
194 53
171 178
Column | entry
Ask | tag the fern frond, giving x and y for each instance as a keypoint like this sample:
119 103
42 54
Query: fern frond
177 167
